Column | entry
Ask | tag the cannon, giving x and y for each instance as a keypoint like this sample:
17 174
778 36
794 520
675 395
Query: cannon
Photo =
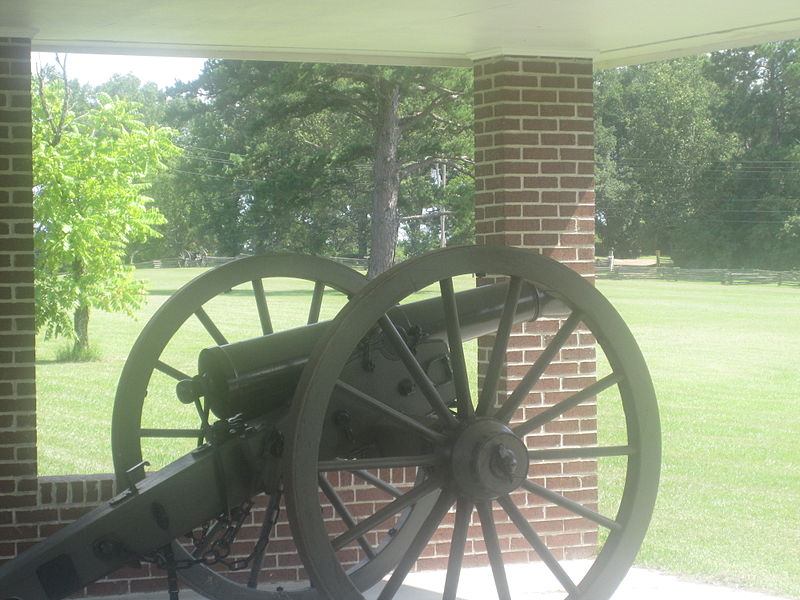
348 448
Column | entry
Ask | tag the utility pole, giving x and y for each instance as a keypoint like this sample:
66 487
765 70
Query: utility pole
442 214
440 179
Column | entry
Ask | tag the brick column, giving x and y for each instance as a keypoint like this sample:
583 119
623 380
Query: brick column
18 485
534 159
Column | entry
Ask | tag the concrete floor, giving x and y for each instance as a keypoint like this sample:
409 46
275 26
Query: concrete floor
534 582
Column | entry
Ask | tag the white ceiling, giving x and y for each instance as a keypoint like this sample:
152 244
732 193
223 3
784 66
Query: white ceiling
443 32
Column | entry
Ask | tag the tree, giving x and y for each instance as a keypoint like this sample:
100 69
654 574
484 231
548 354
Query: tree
150 101
661 155
698 157
761 106
245 185
91 170
620 225
324 148
412 116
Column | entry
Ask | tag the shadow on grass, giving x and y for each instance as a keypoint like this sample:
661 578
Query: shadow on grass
68 353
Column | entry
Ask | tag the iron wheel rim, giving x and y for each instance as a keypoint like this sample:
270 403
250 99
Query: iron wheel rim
367 307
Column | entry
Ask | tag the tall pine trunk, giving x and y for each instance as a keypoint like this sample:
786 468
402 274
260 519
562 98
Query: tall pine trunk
386 176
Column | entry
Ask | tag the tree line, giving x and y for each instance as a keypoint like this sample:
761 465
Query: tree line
696 157
700 158
322 159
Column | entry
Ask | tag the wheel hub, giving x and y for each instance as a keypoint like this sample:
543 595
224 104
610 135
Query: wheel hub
488 460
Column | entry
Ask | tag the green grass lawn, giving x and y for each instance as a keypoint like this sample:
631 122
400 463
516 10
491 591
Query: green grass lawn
724 360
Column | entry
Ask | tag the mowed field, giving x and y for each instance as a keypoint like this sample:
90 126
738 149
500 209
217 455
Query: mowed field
725 361
726 366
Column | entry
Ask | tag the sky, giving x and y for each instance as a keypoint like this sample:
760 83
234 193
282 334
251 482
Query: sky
98 68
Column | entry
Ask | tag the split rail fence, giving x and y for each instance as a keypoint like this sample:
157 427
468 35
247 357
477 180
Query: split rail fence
724 276
215 261
602 270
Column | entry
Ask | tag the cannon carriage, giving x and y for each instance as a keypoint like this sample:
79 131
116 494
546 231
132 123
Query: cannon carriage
381 402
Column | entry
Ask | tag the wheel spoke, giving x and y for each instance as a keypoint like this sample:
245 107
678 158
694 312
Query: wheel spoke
388 511
261 305
381 462
417 372
571 505
316 303
421 539
270 518
170 433
343 513
493 549
537 544
396 415
211 328
585 452
171 371
508 409
378 483
491 379
463 397
457 542
559 409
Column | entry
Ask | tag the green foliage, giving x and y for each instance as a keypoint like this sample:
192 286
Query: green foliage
245 184
698 157
657 143
418 196
91 170
283 155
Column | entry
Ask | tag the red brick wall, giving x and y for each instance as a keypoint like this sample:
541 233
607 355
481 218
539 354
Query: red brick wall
534 159
30 509
18 486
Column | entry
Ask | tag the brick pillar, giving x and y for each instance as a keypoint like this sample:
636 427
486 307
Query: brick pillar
18 484
534 159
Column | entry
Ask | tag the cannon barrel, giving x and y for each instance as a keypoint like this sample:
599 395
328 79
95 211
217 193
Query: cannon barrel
254 376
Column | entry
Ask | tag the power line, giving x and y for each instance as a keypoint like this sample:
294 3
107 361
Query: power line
227 178
704 201
207 159
721 162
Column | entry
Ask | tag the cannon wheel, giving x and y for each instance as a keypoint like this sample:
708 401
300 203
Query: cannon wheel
147 357
461 463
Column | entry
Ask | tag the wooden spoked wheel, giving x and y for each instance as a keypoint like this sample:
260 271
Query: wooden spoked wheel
476 455
231 303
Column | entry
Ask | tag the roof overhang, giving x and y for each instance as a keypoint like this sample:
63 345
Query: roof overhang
447 32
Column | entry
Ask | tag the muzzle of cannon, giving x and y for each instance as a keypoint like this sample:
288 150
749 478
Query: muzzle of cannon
379 434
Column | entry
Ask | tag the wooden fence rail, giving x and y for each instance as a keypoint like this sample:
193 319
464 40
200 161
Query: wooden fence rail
215 261
668 273
724 276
